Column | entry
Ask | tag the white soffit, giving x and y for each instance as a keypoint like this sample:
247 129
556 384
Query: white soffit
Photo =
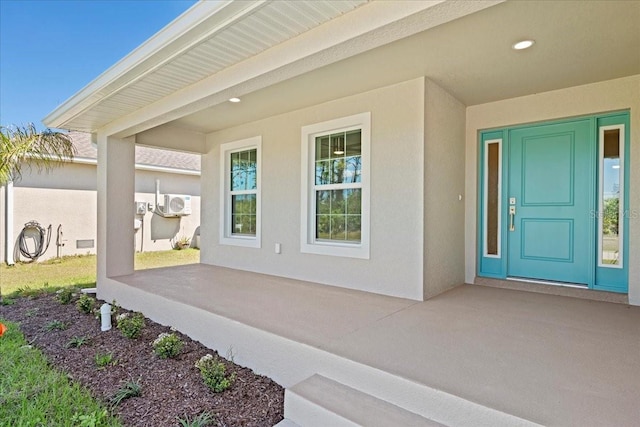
207 38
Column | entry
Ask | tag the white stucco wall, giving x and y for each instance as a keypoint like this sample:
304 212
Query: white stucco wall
67 196
397 176
444 142
612 95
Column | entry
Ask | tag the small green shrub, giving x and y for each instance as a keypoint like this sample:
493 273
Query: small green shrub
85 304
65 296
104 359
77 342
214 373
202 420
130 324
7 301
129 389
56 325
167 345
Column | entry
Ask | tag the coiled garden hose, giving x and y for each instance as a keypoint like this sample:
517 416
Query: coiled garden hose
41 237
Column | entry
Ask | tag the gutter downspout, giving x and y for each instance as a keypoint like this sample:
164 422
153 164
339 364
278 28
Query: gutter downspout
8 223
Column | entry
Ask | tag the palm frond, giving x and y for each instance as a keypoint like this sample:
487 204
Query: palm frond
24 146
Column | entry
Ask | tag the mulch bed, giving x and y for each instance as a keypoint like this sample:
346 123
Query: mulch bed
171 388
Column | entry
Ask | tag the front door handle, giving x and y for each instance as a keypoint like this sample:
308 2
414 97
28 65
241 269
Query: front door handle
512 214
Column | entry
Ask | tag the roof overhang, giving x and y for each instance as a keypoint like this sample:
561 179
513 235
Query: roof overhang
179 71
182 77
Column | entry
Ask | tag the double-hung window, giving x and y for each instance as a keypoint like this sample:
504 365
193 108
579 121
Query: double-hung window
335 209
240 193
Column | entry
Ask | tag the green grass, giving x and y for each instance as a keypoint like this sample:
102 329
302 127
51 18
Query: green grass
80 271
33 394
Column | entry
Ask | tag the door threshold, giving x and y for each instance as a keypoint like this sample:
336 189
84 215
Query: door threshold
549 282
553 288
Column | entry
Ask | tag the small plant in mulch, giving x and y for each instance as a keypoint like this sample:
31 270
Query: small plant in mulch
214 373
129 389
77 342
103 360
56 325
27 292
167 345
130 324
65 296
202 420
93 419
31 312
85 304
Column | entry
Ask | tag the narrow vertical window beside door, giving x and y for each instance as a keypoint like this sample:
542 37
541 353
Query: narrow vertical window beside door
492 202
611 196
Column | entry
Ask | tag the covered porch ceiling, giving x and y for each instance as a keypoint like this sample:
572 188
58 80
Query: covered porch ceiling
463 46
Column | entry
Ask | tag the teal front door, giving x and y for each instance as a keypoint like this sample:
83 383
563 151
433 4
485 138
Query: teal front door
550 196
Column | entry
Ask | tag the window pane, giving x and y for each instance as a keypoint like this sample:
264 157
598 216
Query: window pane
243 170
323 202
323 224
610 197
338 215
354 201
322 148
354 228
353 170
354 145
344 149
338 227
492 195
323 172
243 214
337 145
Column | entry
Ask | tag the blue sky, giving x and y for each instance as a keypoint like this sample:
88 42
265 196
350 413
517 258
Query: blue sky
50 49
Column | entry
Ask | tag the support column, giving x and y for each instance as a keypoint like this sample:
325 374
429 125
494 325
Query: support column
116 191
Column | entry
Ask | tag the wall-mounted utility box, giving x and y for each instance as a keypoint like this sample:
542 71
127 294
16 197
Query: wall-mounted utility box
141 208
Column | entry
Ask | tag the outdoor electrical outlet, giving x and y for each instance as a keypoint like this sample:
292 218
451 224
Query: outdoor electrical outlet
141 208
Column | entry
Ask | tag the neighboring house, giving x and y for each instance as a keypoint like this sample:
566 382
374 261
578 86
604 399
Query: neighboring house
65 199
401 148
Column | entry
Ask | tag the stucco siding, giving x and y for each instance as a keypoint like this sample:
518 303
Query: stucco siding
397 136
67 197
612 95
443 190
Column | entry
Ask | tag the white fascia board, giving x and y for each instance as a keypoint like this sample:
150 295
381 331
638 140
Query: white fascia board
194 25
367 27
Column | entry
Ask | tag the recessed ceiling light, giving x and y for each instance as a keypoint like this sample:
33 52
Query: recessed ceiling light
523 44
234 99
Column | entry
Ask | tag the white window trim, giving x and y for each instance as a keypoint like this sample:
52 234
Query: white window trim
226 237
308 244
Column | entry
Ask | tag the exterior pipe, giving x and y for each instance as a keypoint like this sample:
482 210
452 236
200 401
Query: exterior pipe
8 223
105 314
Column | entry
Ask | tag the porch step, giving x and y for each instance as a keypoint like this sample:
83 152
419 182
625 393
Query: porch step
320 401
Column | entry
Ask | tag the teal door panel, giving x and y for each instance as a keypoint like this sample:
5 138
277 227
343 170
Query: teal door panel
551 187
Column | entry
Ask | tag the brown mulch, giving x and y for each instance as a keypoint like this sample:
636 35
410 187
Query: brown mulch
171 388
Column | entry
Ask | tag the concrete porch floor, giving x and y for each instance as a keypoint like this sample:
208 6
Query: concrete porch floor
546 359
